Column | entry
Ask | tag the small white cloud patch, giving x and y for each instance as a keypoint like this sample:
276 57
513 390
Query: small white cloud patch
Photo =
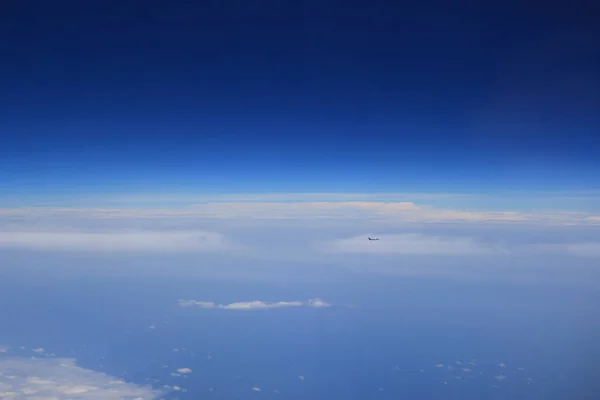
184 370
253 305
61 378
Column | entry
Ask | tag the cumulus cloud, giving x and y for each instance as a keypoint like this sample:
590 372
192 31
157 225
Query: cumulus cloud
253 305
155 241
61 378
184 370
409 243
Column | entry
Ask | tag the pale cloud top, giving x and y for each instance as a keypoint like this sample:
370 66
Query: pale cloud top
152 241
253 305
392 212
63 379
178 197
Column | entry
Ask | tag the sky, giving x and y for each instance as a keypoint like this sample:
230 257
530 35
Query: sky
311 96
187 190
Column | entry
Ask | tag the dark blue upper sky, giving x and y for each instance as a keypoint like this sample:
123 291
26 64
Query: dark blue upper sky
304 95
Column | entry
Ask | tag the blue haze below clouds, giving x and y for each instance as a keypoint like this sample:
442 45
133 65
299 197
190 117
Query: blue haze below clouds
394 328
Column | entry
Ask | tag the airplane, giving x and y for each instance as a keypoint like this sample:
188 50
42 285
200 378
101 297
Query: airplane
373 238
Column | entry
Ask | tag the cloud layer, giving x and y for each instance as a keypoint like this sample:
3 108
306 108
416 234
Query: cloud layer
410 243
399 211
61 378
253 305
153 241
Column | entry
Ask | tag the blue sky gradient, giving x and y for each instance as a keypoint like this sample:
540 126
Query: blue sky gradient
309 97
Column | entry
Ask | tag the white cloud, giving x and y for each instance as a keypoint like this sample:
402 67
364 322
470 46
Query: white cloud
155 241
409 243
58 379
253 305
184 370
175 388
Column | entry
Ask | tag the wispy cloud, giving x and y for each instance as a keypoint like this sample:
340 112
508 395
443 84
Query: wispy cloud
154 241
253 305
409 243
393 212
584 249
581 250
61 378
179 198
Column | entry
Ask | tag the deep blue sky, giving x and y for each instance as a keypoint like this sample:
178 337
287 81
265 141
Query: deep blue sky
301 96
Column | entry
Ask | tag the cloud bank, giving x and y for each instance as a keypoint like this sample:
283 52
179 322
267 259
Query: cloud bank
153 241
410 243
253 305
61 378
393 211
